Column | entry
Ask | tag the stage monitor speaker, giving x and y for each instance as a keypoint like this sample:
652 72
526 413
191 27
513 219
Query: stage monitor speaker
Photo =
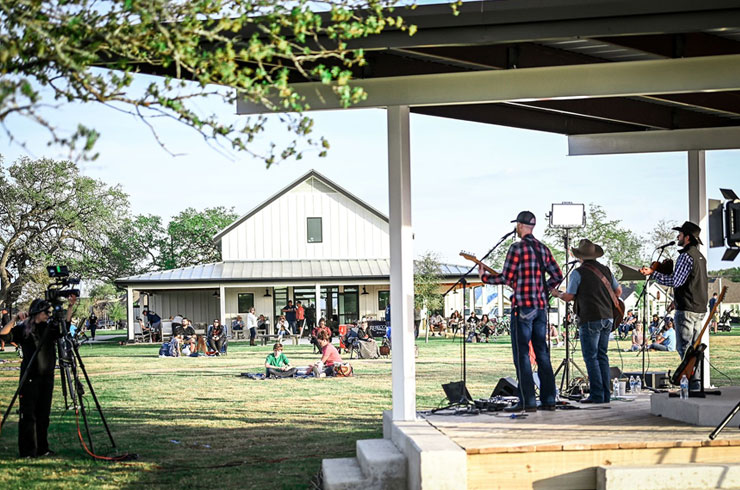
506 387
614 372
653 379
456 392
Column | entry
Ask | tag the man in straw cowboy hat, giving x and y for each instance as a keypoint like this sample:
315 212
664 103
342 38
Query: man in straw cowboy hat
689 283
526 264
592 285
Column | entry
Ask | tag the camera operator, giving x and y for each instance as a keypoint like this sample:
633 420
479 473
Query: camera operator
33 331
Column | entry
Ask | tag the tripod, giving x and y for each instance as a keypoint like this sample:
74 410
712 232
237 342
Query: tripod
72 388
568 361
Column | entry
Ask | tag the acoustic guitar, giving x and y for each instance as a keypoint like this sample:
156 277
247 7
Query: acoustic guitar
694 352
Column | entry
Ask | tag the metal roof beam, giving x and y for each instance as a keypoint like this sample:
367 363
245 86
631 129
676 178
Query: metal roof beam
633 78
655 141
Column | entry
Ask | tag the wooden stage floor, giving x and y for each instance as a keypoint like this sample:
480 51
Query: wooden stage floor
562 449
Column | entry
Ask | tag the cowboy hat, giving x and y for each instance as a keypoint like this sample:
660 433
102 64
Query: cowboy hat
689 228
587 250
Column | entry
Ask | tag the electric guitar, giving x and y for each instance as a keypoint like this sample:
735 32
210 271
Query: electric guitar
694 352
473 258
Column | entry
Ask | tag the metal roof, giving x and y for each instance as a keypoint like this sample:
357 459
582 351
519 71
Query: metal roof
282 271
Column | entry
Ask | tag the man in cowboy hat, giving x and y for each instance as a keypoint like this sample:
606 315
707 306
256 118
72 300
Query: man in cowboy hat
689 283
594 306
527 262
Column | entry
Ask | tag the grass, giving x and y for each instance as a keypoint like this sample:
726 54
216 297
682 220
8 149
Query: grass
195 422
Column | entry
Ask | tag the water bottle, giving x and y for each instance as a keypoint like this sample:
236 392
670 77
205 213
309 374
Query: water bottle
615 387
684 387
638 385
632 385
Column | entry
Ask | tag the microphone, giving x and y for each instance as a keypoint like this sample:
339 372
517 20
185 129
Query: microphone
576 261
669 244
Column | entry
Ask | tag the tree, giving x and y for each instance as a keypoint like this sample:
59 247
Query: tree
190 235
426 282
49 213
662 234
58 52
619 243
498 256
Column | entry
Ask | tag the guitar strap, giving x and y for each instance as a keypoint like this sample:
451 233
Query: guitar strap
542 272
604 280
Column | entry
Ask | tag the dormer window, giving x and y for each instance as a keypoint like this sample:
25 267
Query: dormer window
313 227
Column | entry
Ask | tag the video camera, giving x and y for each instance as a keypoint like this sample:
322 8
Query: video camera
60 288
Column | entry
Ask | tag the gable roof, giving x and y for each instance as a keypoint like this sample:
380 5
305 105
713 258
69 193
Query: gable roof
285 190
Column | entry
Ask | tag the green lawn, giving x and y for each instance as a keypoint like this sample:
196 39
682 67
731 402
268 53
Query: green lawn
195 422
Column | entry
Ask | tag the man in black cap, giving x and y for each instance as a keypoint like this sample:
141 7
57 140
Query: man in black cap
527 262
595 290
689 283
33 334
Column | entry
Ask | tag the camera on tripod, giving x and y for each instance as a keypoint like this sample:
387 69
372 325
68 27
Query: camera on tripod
60 288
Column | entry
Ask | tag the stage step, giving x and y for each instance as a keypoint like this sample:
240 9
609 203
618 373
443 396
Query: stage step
379 465
668 476
381 461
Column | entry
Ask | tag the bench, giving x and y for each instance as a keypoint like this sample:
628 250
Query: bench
265 338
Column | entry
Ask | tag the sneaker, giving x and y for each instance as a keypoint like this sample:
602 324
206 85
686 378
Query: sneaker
520 408
48 453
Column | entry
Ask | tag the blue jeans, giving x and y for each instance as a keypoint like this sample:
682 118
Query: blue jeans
531 324
594 346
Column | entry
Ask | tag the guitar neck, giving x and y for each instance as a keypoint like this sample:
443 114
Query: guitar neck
709 318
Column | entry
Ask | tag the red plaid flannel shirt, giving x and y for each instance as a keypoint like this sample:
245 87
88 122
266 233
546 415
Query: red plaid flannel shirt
522 273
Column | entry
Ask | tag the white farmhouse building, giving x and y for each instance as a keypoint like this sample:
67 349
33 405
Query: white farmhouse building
313 239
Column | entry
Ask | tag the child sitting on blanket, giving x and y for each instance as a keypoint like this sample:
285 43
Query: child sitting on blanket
277 364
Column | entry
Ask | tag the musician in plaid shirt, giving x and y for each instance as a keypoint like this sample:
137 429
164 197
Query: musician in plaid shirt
525 264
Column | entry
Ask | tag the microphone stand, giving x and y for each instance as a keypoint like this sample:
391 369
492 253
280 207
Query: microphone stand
643 296
464 401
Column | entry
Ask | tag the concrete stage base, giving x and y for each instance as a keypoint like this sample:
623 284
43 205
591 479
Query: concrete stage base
709 411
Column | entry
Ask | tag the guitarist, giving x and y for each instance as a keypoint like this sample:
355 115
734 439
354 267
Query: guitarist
524 271
594 305
689 282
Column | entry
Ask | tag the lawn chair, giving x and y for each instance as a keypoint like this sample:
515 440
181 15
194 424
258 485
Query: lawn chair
166 330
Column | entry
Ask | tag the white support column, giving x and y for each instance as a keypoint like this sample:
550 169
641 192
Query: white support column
130 312
698 214
500 300
222 305
471 299
402 268
318 302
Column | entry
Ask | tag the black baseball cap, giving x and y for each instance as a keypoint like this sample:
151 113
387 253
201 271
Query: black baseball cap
526 218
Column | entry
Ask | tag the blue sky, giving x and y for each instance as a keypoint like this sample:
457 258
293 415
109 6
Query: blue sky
468 180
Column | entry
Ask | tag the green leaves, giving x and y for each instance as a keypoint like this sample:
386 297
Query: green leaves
82 52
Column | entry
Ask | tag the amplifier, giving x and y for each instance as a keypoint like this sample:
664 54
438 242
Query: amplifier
653 379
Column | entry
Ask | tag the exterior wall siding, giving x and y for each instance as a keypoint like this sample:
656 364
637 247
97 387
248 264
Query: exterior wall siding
349 230
197 305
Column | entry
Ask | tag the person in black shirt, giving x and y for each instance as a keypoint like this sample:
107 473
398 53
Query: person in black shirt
32 334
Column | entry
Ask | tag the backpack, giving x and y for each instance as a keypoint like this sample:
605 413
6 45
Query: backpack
343 370
164 351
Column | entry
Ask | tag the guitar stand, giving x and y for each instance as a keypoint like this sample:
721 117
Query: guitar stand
726 421
702 393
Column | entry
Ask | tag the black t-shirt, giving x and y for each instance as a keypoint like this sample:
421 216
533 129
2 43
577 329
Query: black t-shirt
188 331
47 356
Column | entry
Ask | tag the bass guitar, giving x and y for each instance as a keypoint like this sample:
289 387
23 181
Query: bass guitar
694 352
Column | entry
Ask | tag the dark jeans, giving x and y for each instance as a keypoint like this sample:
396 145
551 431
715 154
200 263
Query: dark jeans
216 345
277 373
594 346
35 406
292 327
252 333
657 346
530 324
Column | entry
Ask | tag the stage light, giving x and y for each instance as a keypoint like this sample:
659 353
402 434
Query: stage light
567 215
724 224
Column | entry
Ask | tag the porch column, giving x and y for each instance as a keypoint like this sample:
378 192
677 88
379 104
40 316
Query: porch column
698 214
318 302
500 300
402 273
130 312
222 305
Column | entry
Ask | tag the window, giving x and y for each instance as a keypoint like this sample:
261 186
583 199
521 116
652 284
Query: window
384 297
245 301
313 225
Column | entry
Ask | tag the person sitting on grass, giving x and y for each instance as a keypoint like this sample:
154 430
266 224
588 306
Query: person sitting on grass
666 340
637 336
277 364
191 339
216 337
329 356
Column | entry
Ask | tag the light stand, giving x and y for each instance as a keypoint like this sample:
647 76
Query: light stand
567 215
